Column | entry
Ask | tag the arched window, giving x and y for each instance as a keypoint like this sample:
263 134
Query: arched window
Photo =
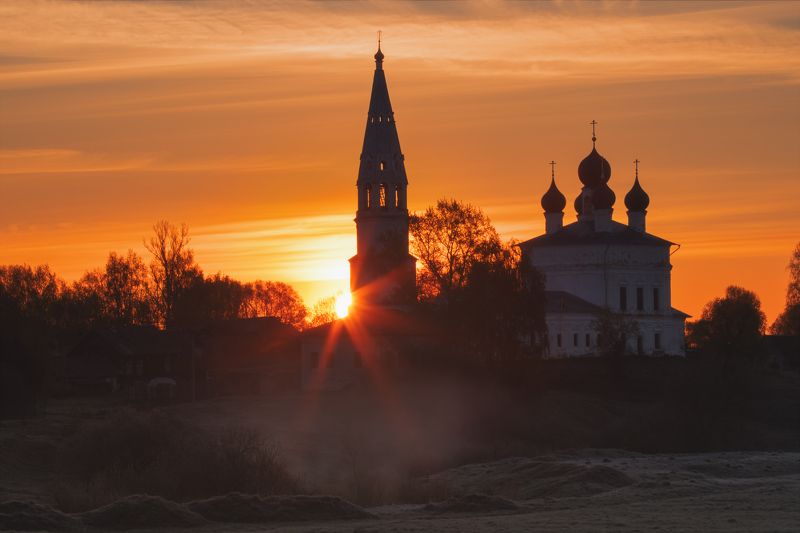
382 195
382 166
397 196
369 196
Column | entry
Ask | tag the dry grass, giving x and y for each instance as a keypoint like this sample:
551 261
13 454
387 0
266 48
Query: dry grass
151 453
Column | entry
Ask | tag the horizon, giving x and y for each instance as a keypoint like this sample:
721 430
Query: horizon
246 124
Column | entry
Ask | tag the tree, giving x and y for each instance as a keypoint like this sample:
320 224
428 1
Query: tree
31 323
173 268
127 290
448 239
205 300
498 314
730 326
275 298
613 331
788 322
324 312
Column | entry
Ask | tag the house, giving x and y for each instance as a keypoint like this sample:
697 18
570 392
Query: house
140 363
249 356
597 264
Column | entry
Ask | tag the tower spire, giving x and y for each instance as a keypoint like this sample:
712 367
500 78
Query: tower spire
379 54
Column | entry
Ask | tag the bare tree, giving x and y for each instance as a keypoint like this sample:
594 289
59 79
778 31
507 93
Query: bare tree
324 312
278 299
173 268
788 322
449 238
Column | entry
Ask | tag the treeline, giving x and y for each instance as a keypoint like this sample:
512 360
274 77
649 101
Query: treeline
170 291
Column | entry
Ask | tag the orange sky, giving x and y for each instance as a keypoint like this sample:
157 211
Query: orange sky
245 120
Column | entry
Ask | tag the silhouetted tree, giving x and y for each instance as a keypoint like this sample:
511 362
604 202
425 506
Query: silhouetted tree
498 314
173 268
788 322
275 298
127 290
323 312
730 326
204 300
448 239
31 318
613 331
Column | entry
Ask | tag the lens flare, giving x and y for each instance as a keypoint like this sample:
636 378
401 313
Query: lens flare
343 301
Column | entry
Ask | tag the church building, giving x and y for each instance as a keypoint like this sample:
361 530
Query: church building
383 272
368 341
597 264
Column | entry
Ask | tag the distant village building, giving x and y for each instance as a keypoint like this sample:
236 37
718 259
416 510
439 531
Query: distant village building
596 264
147 364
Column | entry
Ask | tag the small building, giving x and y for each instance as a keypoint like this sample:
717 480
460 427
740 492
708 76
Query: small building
140 363
366 347
249 356
597 264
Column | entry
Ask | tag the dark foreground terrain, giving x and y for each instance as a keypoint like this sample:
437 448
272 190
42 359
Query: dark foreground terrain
430 456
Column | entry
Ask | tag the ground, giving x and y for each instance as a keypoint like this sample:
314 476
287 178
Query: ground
376 453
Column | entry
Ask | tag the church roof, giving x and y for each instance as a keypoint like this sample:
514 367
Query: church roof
565 302
583 232
381 142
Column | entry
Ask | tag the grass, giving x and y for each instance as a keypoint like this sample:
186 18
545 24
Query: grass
152 453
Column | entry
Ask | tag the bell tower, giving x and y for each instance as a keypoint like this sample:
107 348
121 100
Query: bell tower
382 272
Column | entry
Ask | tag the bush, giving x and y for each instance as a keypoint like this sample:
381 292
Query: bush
136 453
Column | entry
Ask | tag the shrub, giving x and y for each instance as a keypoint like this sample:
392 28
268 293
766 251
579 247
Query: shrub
143 453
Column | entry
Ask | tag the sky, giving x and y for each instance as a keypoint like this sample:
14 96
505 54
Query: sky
245 121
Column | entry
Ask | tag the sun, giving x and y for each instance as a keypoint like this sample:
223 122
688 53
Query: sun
343 301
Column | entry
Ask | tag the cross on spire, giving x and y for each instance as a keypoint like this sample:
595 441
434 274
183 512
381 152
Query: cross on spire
636 163
594 137
379 39
552 169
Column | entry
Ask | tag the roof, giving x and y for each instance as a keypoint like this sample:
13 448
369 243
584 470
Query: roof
565 302
381 141
375 321
583 232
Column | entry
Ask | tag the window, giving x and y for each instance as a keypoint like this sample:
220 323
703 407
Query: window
639 299
369 196
588 339
575 339
656 303
397 196
623 298
657 341
382 195
558 340
382 166
639 345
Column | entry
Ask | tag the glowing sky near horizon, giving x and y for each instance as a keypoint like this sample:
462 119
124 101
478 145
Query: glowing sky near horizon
245 120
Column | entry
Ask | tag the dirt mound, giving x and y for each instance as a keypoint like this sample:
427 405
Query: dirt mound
473 503
140 511
236 507
30 516
522 478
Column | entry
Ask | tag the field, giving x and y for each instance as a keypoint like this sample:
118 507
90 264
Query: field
445 456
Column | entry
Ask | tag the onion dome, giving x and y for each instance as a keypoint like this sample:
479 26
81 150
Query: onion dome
553 201
579 204
603 197
379 55
637 199
594 170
